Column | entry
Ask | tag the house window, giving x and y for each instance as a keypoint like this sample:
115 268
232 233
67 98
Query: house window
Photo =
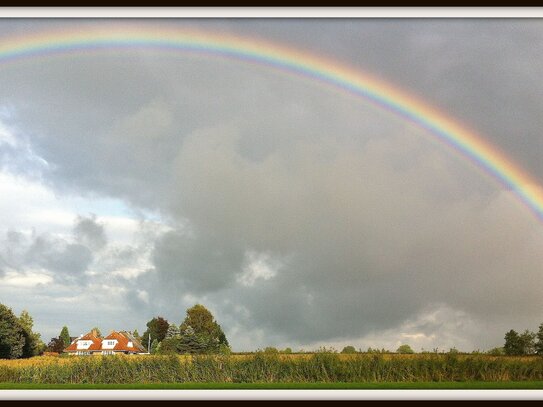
111 343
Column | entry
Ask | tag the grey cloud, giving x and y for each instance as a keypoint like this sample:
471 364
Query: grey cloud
63 258
80 275
483 72
3 266
195 264
367 240
90 233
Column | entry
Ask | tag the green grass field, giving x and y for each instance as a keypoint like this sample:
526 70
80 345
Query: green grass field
266 386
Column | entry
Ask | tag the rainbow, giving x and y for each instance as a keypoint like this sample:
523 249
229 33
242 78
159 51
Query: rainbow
332 73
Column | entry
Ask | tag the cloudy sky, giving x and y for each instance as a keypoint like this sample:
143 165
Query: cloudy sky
136 184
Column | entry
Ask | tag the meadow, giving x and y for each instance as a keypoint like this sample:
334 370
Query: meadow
262 369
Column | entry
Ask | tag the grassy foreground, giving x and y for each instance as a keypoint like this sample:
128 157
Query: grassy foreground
284 386
261 370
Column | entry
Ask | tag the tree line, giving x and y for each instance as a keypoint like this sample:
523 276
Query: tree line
524 343
199 333
17 340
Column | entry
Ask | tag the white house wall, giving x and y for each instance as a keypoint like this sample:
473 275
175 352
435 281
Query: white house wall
109 343
84 344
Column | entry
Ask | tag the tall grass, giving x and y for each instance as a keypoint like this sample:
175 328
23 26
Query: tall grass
271 368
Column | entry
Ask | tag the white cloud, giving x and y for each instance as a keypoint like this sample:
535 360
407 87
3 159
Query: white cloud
26 279
143 295
260 266
6 136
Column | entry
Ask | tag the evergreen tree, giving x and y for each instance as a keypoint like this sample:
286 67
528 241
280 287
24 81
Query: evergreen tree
65 336
173 331
191 342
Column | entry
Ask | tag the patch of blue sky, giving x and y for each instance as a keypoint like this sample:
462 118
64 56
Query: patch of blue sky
109 207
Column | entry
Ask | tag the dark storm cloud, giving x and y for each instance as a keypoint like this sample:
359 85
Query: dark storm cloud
362 241
196 264
361 225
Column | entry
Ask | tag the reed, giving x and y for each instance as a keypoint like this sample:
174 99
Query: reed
262 367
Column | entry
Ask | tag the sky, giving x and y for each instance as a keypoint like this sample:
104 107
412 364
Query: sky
138 183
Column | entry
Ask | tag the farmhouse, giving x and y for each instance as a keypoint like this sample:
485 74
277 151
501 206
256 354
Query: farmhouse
114 343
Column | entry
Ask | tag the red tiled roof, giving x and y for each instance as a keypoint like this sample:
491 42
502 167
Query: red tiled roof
122 342
96 343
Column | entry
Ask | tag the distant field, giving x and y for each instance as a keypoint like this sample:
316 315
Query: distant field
262 370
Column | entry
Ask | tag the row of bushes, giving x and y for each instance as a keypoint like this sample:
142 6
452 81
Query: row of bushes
268 368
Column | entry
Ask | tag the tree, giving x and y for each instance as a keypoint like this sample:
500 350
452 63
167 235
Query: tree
136 334
287 350
12 334
157 329
26 321
513 345
539 343
56 345
496 351
404 349
349 349
173 331
224 349
154 346
206 331
191 342
170 346
96 330
527 342
65 336
33 344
